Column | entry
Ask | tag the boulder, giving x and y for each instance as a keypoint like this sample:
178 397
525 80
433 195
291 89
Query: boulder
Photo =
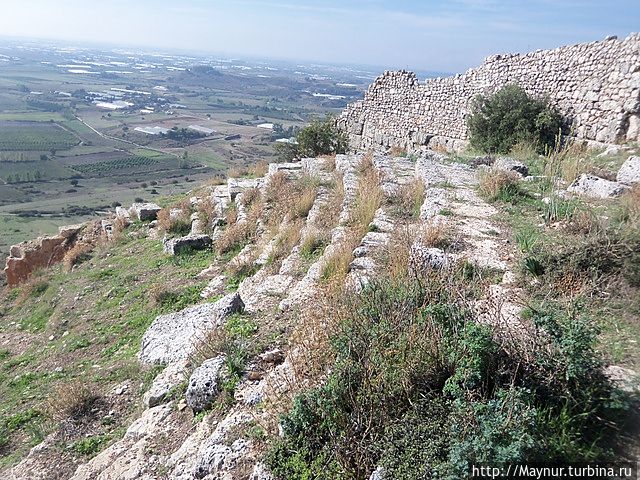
203 384
508 164
597 187
144 211
173 336
422 258
175 246
629 173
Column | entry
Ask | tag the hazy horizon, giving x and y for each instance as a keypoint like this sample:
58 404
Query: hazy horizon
434 36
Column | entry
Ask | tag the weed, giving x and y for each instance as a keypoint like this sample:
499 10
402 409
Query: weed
496 184
73 401
91 445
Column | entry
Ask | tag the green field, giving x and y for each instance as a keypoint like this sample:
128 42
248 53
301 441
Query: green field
34 136
123 165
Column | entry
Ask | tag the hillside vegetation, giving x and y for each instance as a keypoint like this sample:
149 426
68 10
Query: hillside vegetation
408 315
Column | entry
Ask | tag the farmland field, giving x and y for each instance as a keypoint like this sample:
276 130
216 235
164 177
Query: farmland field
63 159
40 136
124 165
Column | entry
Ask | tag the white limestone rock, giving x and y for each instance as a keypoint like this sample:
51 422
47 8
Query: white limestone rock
203 384
175 246
629 173
172 337
164 382
144 211
596 187
508 164
422 258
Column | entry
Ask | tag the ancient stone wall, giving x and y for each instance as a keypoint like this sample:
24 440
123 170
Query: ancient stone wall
596 86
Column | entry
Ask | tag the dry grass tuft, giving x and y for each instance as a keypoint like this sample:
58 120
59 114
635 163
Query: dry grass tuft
238 234
327 217
179 221
206 213
35 285
255 170
397 151
72 400
287 238
408 199
435 234
250 196
399 252
369 196
497 184
630 206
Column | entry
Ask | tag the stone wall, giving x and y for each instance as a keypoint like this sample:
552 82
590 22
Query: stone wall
596 86
27 257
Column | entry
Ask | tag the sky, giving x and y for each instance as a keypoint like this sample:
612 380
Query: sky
444 36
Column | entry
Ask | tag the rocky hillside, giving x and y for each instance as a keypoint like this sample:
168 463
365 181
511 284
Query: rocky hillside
337 317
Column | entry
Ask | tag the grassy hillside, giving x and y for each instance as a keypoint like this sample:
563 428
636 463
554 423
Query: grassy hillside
68 338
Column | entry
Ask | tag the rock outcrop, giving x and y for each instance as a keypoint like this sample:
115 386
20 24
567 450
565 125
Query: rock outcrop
597 187
172 337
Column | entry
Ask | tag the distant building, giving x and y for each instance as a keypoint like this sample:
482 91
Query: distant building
117 105
266 126
152 130
291 140
201 129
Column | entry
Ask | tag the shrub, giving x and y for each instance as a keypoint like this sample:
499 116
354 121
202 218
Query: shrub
510 116
320 137
419 387
73 400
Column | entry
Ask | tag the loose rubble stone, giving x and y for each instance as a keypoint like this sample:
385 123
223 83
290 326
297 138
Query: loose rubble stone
629 173
260 472
123 214
593 186
144 211
508 164
422 258
203 384
171 337
174 246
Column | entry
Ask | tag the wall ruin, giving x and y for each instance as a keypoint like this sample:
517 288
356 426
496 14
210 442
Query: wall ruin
596 86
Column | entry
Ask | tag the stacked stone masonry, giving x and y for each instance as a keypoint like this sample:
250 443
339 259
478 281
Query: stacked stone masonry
596 86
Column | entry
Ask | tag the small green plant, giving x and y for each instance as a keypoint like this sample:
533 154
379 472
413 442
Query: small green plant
527 238
91 445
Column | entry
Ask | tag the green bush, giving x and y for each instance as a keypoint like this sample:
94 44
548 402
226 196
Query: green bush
320 137
420 388
509 117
